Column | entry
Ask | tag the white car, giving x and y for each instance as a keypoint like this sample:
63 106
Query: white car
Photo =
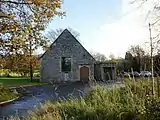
145 74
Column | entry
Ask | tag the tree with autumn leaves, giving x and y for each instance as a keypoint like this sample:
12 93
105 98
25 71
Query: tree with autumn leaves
21 26
24 20
19 63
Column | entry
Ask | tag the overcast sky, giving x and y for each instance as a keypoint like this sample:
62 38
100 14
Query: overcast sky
105 26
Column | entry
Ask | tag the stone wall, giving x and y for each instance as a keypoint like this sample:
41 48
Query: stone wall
65 46
97 72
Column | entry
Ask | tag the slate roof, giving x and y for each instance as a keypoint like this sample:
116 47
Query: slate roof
66 30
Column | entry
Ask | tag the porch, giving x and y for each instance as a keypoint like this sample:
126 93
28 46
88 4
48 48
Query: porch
104 71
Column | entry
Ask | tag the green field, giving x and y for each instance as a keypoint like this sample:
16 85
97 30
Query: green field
19 81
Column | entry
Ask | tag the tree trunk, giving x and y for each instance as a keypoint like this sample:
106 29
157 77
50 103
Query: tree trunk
158 87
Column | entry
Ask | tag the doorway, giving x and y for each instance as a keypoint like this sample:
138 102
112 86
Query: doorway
84 74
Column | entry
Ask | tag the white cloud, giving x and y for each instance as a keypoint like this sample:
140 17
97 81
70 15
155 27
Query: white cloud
117 37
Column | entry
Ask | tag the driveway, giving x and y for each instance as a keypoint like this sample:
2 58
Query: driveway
40 94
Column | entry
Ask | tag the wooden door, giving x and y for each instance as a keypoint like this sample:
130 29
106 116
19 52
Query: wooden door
84 74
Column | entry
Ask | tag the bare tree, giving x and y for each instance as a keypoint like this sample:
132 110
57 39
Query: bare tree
153 15
53 34
151 9
99 57
112 57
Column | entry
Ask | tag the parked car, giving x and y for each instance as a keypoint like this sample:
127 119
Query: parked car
126 74
145 74
135 74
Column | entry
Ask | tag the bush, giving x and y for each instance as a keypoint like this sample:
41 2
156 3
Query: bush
8 73
152 109
15 73
37 74
4 72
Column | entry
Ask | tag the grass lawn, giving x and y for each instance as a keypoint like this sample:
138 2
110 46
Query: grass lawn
15 82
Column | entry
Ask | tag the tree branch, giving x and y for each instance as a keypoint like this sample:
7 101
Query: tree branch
13 2
156 21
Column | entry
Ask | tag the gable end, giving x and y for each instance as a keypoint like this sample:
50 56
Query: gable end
66 30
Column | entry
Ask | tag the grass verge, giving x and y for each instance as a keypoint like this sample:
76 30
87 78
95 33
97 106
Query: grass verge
18 81
6 94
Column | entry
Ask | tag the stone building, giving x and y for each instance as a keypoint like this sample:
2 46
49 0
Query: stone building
68 60
105 71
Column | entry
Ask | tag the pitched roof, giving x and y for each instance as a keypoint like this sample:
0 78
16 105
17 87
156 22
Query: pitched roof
66 30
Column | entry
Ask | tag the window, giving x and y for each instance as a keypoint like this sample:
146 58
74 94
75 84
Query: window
66 64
